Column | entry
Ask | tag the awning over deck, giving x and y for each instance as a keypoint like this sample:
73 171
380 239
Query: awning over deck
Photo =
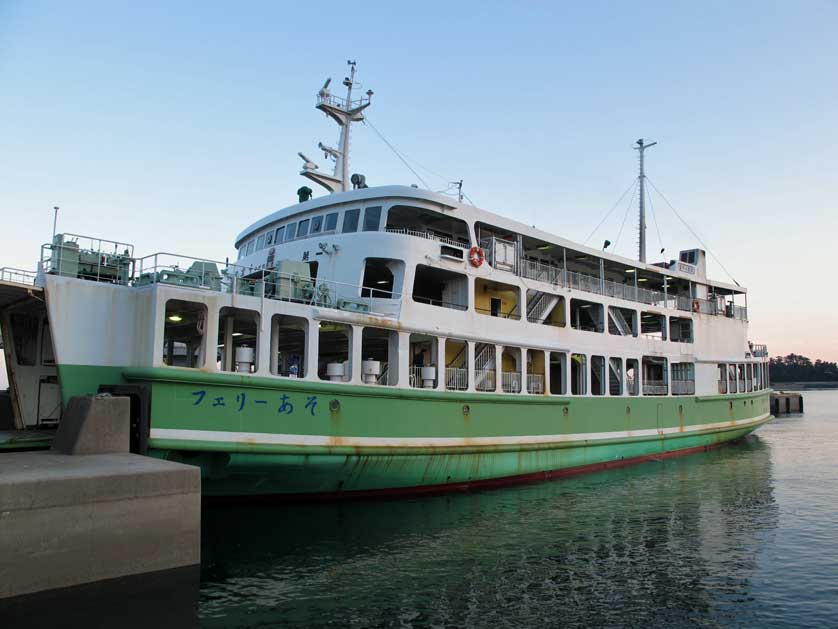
15 292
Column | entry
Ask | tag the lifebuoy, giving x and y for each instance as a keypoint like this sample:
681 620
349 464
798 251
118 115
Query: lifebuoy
696 306
476 255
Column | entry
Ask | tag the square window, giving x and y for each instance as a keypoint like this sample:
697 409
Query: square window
331 222
350 220
372 218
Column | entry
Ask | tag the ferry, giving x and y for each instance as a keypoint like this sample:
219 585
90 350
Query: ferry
384 340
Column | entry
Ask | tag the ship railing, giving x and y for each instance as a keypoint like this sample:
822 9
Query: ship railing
19 276
197 273
534 270
683 387
722 386
655 387
707 306
484 379
341 103
427 236
439 302
742 388
88 258
510 381
759 351
456 378
535 383
737 312
511 314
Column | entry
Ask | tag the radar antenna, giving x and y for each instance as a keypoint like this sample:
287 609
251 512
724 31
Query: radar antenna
343 111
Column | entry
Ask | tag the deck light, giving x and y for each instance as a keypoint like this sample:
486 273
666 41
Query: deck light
237 333
642 279
629 270
175 318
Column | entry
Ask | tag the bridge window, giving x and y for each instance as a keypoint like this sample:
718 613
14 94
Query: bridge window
653 325
350 221
280 234
288 346
316 224
681 329
260 242
269 238
586 315
302 228
291 231
331 222
372 219
440 287
238 340
250 246
183 334
578 374
334 356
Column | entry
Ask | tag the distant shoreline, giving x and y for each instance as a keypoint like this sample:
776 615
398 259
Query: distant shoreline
798 386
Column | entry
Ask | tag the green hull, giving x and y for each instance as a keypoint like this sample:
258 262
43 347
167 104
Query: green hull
266 436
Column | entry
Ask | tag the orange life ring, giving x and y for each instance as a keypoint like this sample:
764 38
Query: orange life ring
696 306
476 256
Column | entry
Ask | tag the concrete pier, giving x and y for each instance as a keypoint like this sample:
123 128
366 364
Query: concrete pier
783 402
88 510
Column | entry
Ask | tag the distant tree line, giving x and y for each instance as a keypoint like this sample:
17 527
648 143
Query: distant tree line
797 368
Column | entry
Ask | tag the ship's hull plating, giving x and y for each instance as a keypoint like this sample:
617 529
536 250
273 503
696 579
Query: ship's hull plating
256 436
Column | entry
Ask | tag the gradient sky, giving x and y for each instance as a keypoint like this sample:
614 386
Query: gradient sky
174 125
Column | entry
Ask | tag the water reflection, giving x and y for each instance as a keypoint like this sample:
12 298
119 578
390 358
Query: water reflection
663 543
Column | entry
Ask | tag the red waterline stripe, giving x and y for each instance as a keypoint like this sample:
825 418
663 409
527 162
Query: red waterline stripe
444 488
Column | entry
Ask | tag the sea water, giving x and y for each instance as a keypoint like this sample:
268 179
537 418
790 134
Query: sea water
744 535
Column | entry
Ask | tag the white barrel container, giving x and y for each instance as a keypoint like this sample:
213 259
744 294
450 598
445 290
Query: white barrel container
370 370
334 372
428 375
245 357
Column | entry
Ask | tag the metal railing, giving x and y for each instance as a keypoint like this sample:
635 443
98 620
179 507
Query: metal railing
484 379
535 383
341 103
427 236
539 271
512 314
683 387
19 276
655 387
438 302
184 271
456 378
759 350
89 258
510 381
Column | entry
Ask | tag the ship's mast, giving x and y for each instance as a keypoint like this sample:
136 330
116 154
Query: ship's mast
344 112
641 148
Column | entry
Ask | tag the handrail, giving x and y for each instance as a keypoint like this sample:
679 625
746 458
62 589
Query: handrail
20 276
426 235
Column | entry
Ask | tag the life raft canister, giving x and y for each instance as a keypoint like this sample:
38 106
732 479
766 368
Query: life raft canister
696 306
476 255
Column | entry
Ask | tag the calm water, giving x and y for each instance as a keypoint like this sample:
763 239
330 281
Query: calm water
746 535
743 535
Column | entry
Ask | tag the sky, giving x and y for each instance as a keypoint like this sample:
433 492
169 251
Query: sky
174 125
